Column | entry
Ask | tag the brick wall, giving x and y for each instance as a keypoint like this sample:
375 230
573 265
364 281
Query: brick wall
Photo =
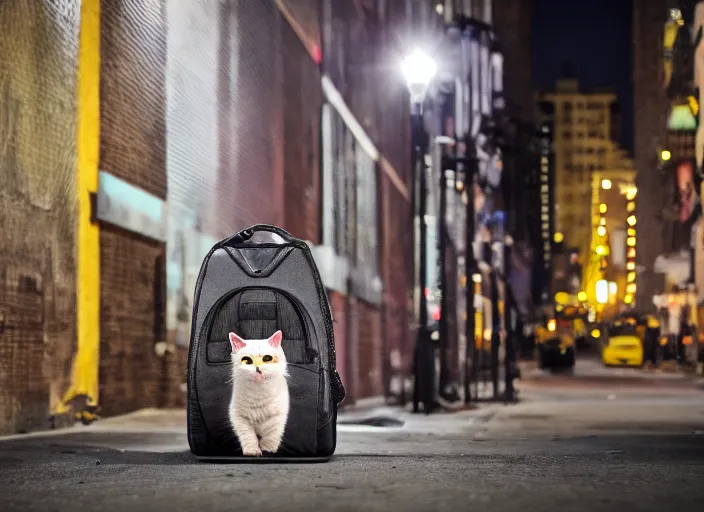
130 370
38 61
302 90
397 273
250 188
133 46
369 353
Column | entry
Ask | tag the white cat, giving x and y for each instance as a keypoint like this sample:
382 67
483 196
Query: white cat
260 401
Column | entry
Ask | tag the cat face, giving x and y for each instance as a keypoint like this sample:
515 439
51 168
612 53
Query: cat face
258 359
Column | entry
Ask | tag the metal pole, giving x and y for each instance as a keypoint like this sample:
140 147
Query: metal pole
424 363
495 337
470 268
444 302
509 312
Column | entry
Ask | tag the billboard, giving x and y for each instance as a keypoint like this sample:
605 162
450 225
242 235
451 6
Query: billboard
686 196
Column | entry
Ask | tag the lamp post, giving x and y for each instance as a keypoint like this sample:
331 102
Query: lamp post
419 69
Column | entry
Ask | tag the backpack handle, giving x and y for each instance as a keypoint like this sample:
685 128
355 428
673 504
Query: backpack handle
246 234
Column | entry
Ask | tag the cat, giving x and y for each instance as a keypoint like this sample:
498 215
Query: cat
260 401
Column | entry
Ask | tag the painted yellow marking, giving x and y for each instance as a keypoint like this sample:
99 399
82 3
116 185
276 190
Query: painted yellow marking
84 375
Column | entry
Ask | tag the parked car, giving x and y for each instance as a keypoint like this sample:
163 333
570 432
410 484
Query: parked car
555 345
623 346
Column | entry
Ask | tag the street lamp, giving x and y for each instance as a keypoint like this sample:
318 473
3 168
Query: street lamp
418 70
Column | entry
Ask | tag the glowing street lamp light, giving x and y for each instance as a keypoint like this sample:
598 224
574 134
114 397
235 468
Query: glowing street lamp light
418 70
606 184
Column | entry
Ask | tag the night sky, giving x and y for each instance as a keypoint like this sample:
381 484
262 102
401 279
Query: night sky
593 38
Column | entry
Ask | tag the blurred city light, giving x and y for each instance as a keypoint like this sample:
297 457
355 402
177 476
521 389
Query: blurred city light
602 291
631 220
628 299
613 288
596 333
606 184
551 325
631 193
582 296
600 250
602 208
558 237
631 241
601 231
477 278
665 155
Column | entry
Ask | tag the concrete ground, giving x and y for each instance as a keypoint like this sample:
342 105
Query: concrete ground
618 445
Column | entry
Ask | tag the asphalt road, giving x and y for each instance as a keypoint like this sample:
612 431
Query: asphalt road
562 448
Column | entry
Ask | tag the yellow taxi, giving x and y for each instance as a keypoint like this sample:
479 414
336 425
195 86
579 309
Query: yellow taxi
623 346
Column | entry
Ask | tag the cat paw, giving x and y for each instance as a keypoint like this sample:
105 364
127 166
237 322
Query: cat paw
252 452
269 445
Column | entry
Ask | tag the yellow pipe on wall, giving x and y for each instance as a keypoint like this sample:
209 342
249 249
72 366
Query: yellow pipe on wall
84 374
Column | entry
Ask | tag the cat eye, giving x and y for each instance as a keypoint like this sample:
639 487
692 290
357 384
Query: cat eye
247 360
267 358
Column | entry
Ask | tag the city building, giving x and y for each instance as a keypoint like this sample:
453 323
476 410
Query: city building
581 140
613 234
577 128
667 154
651 108
543 232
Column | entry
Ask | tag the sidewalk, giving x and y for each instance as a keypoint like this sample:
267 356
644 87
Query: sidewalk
164 430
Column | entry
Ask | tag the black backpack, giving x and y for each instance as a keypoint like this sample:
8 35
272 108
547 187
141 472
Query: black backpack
254 283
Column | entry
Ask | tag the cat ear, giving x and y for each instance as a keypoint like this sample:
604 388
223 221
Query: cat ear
237 342
275 339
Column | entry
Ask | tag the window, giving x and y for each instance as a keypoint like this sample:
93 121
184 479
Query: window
336 143
366 205
350 225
